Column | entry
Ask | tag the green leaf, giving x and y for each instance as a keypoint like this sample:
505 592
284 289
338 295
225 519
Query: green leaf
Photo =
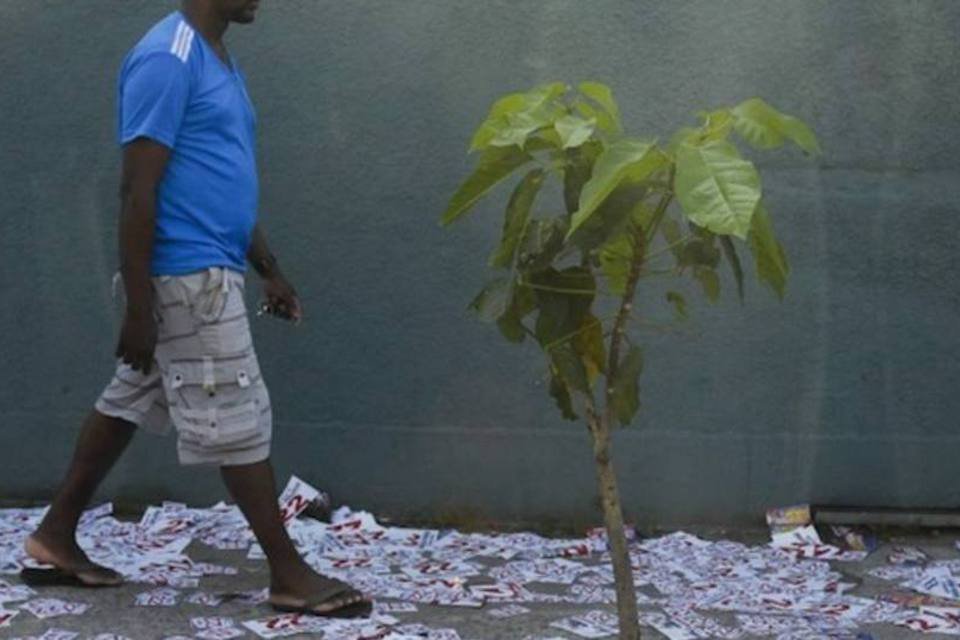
516 217
561 318
613 217
522 303
540 244
517 115
678 302
578 166
560 393
758 123
765 128
617 253
605 122
670 231
771 260
574 131
625 389
496 119
731 253
716 188
494 166
567 362
564 299
641 217
800 134
491 302
710 282
517 129
615 259
717 124
622 157
684 135
602 94
699 252
588 343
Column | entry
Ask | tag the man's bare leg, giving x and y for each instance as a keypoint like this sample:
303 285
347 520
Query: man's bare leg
292 581
102 439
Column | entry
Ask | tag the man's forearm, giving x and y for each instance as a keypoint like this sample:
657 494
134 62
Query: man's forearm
137 219
259 255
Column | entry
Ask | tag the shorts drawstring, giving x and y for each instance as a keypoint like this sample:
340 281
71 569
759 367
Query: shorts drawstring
218 285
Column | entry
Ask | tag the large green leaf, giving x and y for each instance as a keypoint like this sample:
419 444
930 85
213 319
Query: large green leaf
588 343
569 365
541 241
801 134
771 260
699 252
496 120
716 126
625 156
517 115
574 131
519 126
604 120
615 259
626 399
731 253
613 217
564 299
516 217
495 165
683 135
710 282
716 188
578 165
765 128
617 253
492 300
670 231
522 302
561 393
602 95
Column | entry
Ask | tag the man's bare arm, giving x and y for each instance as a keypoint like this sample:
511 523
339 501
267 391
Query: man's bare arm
259 255
281 297
144 162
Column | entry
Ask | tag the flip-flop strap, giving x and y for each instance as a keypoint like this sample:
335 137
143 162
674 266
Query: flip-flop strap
99 577
325 596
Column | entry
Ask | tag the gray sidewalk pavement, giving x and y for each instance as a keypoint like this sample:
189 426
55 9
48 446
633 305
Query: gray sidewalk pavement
112 611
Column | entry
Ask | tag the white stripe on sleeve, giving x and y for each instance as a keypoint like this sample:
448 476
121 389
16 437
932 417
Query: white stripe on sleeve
177 37
187 43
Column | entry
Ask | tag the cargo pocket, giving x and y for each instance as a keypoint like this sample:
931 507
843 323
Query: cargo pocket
215 404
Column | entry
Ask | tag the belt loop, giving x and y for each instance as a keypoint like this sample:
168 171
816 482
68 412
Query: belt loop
209 380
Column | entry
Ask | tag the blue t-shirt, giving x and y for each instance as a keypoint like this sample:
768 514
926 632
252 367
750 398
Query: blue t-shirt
174 89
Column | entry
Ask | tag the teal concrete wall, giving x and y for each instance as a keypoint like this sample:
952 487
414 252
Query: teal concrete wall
390 394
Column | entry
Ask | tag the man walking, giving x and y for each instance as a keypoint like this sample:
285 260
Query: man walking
188 224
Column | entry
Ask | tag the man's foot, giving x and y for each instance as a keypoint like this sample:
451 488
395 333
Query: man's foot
70 560
316 594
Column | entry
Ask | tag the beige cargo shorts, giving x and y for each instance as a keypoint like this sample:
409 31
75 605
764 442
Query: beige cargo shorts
206 380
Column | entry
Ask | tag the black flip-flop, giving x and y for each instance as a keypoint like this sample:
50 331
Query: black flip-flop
361 609
55 577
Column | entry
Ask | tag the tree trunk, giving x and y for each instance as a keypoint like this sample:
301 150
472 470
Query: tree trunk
613 520
600 425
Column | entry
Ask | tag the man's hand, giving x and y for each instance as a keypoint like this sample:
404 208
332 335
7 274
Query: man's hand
138 339
282 298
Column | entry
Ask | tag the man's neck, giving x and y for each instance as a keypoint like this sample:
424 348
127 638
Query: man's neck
202 16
